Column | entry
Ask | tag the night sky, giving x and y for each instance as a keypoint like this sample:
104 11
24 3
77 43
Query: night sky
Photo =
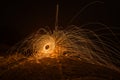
20 18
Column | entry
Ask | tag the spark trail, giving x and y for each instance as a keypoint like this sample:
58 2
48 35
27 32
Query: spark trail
73 42
70 42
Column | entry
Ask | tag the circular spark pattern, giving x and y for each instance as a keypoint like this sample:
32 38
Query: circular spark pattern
44 46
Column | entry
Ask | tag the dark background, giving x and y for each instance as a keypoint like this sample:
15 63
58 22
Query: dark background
20 18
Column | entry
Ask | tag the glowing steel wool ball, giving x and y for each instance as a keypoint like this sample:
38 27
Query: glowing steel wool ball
45 46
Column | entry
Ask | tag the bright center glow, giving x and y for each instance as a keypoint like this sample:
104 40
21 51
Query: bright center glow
45 46
48 47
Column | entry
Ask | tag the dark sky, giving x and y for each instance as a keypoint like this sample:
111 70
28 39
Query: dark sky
19 18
